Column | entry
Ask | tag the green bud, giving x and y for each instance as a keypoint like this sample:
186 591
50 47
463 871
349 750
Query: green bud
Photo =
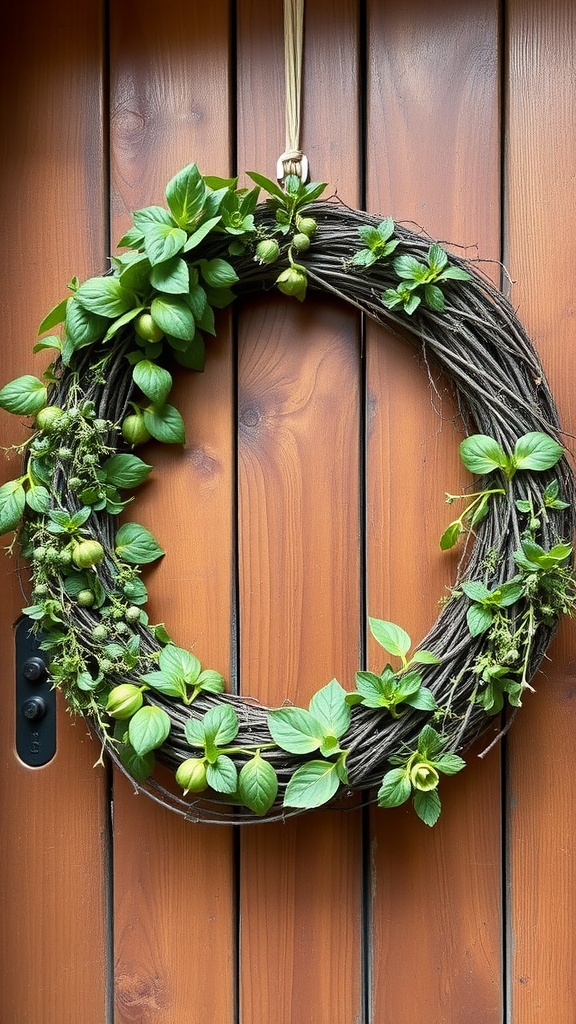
132 614
147 328
87 553
293 281
74 483
64 453
307 225
124 701
267 251
134 430
424 776
85 598
106 665
301 242
191 775
48 418
39 554
99 632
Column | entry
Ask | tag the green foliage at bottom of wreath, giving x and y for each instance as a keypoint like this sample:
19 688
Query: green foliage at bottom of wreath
120 337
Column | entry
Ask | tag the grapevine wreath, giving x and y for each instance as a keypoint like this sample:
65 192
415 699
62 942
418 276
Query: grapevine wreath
123 335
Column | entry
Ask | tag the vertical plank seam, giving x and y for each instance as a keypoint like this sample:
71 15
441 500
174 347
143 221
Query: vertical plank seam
108 837
504 241
366 921
234 523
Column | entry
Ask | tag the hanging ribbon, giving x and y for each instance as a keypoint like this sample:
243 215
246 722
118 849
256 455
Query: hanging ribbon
293 160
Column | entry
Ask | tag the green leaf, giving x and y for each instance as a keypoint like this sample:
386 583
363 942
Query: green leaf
174 316
24 396
52 341
454 274
211 681
125 471
482 454
258 785
269 186
427 806
222 775
450 536
437 257
218 273
479 619
172 276
434 298
328 706
143 219
105 296
56 316
508 593
164 423
391 637
165 684
153 381
425 658
193 357
162 242
220 725
185 195
536 451
197 300
410 269
200 234
312 785
148 729
395 788
295 730
82 326
475 590
449 764
423 700
12 504
38 498
140 767
180 664
126 318
136 545
429 742
134 272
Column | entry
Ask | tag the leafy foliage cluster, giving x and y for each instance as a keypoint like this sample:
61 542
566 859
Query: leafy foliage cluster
120 337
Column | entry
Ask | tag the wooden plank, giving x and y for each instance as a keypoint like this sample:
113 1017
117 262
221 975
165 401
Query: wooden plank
174 923
541 209
433 158
300 893
52 846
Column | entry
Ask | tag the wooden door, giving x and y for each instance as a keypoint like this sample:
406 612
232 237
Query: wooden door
310 492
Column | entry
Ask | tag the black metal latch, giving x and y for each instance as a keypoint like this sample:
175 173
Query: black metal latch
35 701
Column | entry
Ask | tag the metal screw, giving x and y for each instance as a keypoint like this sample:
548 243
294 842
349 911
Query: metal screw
33 669
34 708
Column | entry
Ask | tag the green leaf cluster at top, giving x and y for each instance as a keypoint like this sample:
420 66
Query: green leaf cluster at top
378 241
420 282
395 691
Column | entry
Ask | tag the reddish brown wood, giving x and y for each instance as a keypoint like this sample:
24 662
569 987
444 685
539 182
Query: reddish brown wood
432 158
174 920
299 530
52 857
541 210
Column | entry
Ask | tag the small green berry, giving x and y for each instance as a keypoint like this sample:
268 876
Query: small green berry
147 328
134 430
39 554
307 225
85 598
124 701
48 418
87 553
293 281
191 775
301 242
267 251
99 632
132 614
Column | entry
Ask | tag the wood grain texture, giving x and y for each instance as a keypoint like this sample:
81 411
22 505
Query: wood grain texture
432 157
52 862
541 160
174 919
299 534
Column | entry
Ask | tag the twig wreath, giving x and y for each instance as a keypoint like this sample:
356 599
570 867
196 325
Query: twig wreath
234 759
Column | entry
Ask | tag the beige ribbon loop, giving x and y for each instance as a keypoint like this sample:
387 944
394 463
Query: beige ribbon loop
292 160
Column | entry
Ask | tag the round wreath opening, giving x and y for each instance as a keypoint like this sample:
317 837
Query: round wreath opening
120 337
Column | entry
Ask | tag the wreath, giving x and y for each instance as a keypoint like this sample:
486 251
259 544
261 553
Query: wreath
107 393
